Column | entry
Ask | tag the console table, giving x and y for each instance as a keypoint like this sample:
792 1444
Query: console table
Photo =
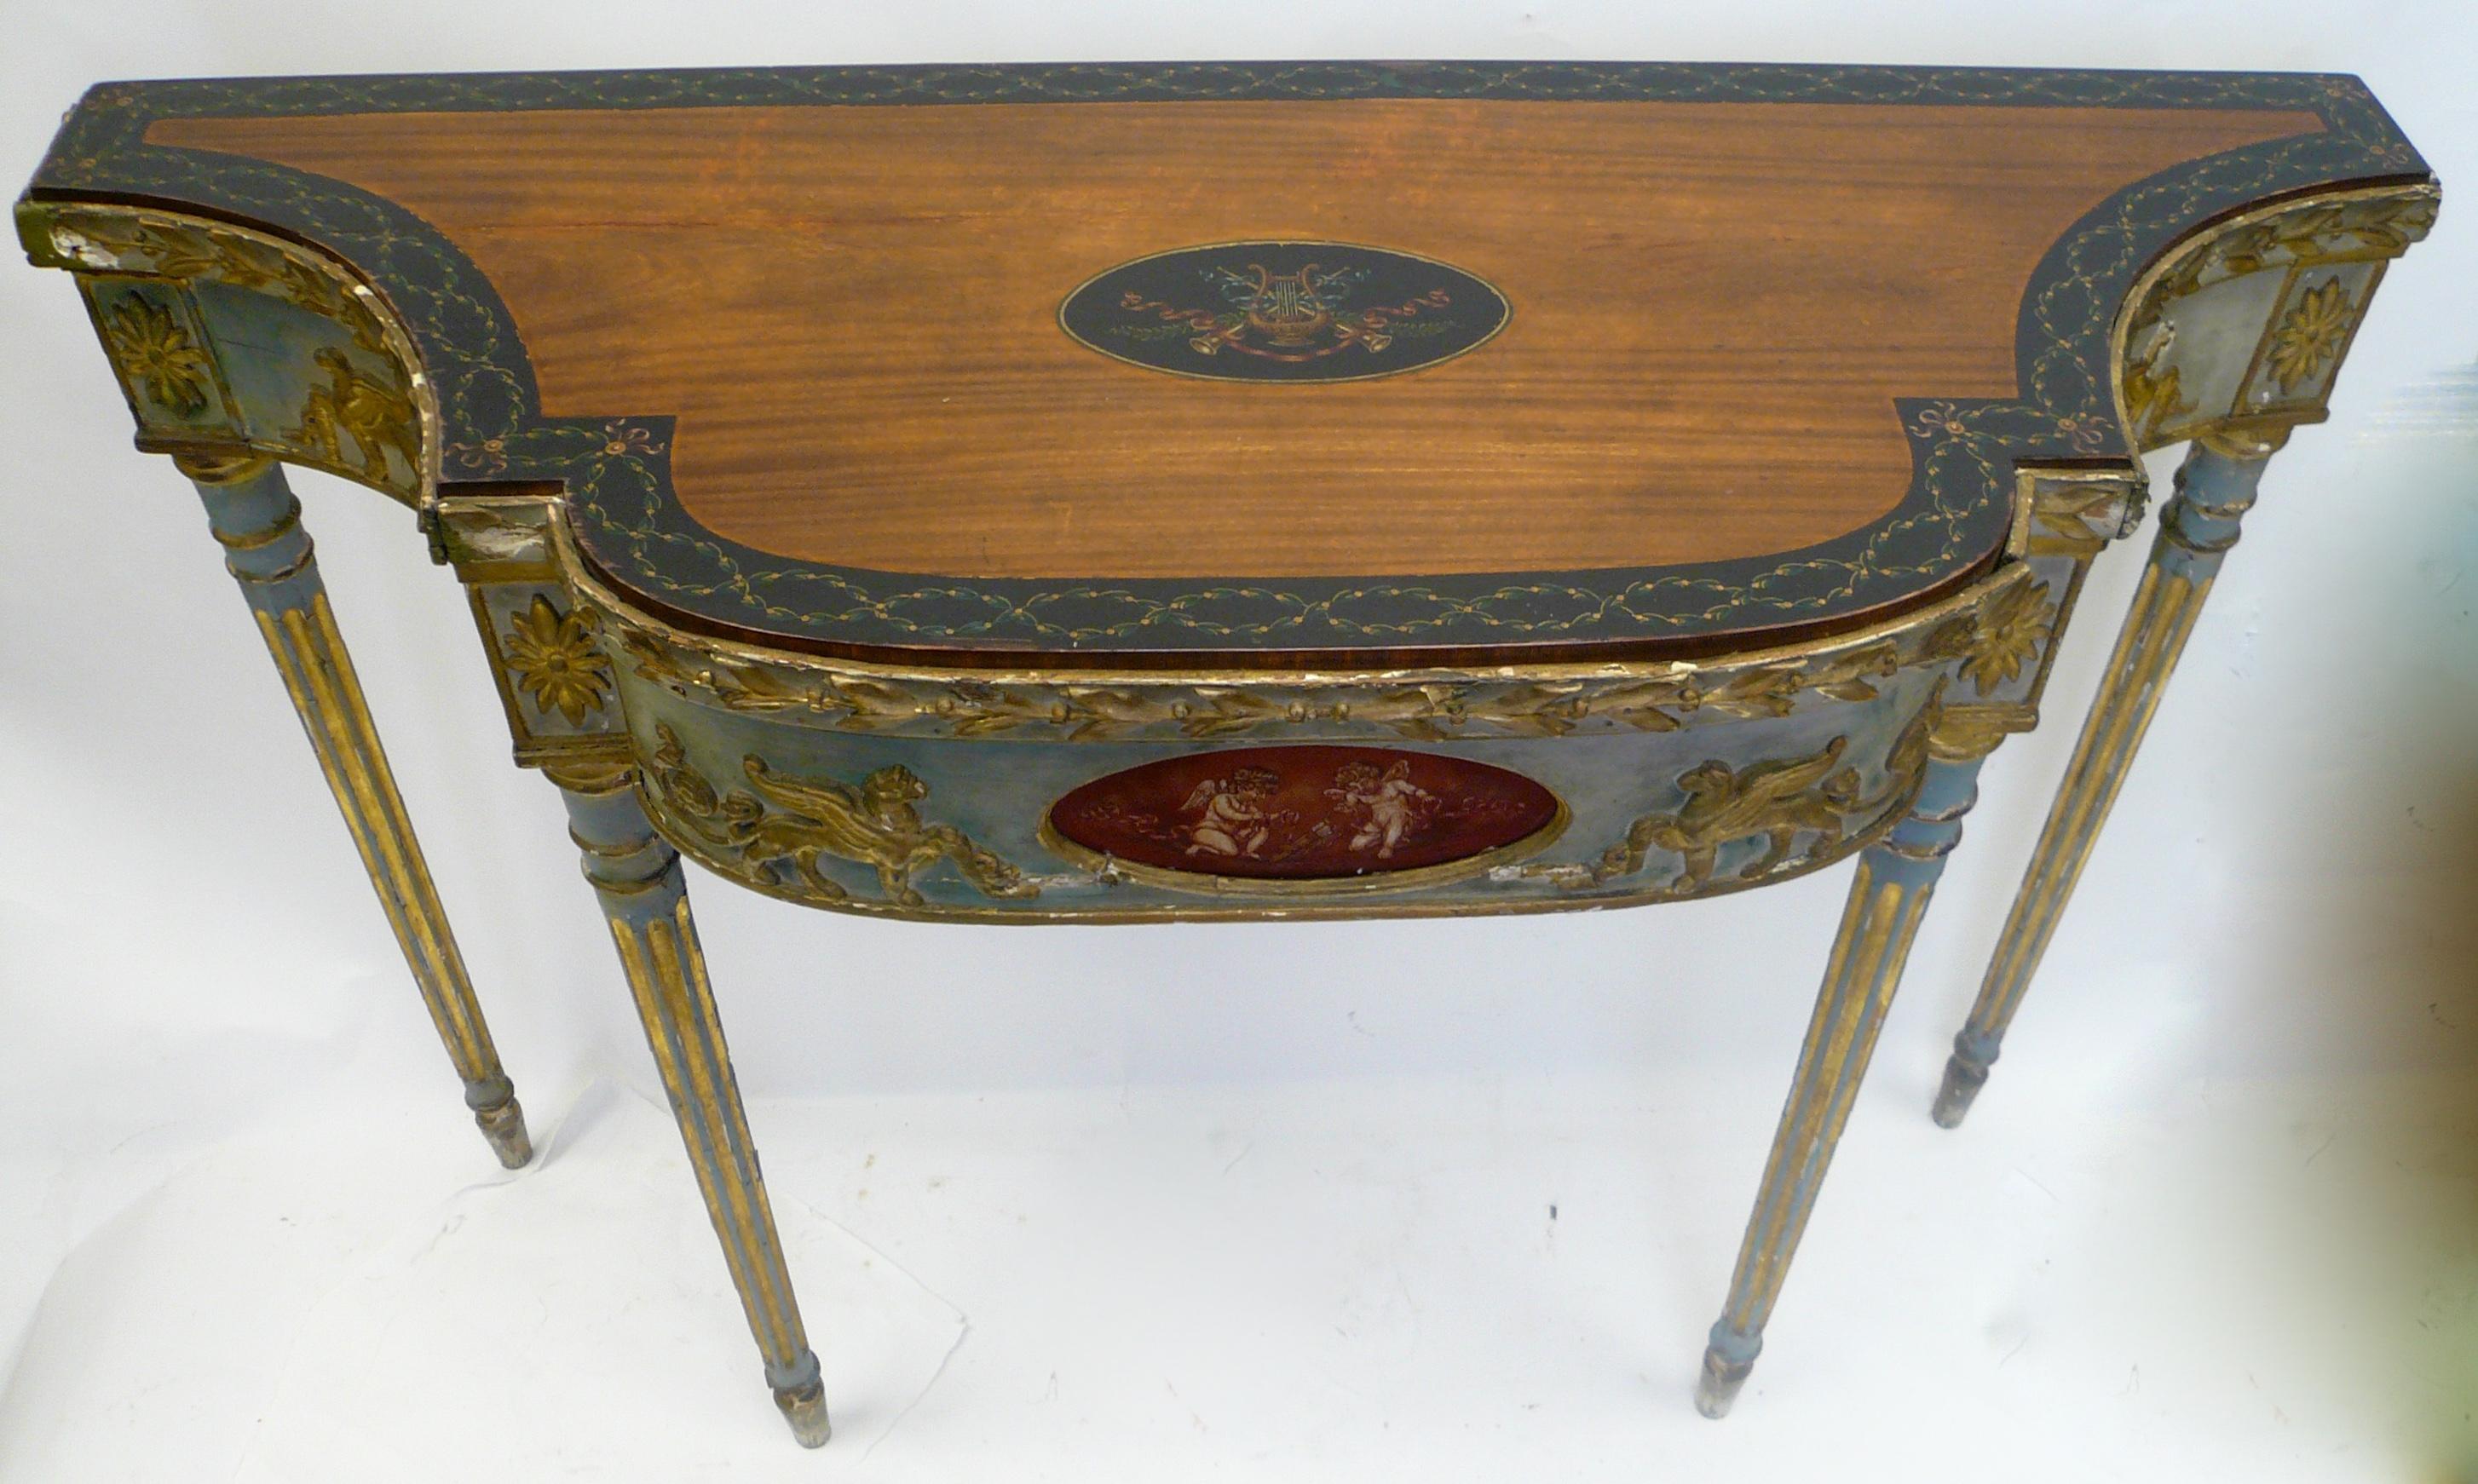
1120 494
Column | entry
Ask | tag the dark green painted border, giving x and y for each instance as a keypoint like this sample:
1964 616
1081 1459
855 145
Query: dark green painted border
617 468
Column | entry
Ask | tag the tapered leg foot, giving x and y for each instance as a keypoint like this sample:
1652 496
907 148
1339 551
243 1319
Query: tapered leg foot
1966 1072
1962 1084
1728 1361
804 1407
503 1124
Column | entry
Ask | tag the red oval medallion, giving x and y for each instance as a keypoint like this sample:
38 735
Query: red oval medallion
1305 813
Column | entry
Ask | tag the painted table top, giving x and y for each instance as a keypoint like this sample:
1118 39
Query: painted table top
1250 363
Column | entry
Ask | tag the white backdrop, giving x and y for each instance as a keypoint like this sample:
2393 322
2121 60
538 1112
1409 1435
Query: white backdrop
1239 1201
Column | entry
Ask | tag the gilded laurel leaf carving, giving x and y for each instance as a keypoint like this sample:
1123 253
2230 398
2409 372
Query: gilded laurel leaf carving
1963 733
553 658
2382 226
1424 713
1754 692
1530 710
1096 712
872 824
1215 713
2310 334
1645 705
1852 677
1990 633
157 354
182 250
2069 520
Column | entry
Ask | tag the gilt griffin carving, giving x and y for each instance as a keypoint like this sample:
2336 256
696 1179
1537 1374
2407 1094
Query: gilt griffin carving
874 823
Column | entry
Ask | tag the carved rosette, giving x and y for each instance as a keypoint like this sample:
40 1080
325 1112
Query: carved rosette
553 659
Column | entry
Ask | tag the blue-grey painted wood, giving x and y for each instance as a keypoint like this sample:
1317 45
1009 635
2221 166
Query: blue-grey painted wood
695 761
1895 879
638 878
2215 486
253 514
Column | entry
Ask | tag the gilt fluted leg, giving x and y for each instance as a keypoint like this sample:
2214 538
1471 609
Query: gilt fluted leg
1896 876
2214 488
638 877
253 514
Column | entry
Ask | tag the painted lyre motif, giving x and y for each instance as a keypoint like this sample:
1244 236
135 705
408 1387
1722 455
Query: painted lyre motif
1293 311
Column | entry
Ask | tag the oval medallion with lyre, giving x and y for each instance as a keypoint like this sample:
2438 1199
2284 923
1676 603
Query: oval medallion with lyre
1285 311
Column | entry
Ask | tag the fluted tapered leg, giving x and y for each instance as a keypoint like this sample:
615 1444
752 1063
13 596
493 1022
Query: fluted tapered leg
638 877
253 514
1895 879
2214 488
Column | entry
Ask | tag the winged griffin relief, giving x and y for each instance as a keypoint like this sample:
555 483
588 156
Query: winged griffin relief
874 823
1817 797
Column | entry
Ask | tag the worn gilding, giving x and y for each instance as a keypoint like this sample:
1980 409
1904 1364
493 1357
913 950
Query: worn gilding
862 786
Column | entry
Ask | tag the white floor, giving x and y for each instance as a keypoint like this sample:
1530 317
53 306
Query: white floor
1347 1279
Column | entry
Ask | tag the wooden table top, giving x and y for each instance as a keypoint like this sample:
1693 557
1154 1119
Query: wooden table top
1254 363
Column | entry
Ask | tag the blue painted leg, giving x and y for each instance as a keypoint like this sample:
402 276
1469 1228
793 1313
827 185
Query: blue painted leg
1895 879
2215 486
253 514
638 877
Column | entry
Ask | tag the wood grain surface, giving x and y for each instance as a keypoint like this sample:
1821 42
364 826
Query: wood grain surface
851 312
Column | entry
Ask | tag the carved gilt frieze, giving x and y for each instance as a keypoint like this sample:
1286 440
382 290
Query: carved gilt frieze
777 833
1815 798
1993 629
